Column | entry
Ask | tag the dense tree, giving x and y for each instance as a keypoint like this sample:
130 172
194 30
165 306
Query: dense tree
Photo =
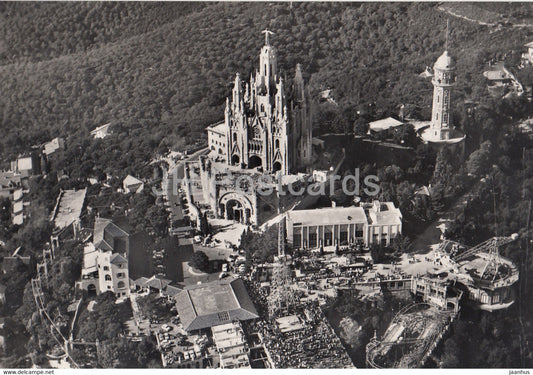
260 247
200 261
478 162
204 225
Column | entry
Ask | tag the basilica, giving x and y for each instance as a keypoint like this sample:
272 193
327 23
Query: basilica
267 123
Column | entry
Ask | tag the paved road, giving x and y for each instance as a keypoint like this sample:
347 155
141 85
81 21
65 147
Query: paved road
178 256
175 175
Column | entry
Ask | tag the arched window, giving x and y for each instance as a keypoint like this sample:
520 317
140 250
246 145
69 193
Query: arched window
107 277
234 137
106 268
277 143
262 108
121 284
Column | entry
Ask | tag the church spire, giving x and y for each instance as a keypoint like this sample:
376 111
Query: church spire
267 32
268 61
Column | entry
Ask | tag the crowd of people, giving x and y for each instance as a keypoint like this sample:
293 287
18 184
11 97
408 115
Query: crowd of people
314 345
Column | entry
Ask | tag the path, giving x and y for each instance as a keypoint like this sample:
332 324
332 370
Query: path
452 13
432 234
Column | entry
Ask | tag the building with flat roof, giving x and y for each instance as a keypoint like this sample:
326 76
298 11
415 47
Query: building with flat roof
69 207
369 223
219 302
383 124
54 145
231 345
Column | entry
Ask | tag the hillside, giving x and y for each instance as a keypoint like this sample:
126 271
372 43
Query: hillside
161 83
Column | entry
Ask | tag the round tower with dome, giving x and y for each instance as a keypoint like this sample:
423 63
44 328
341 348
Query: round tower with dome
443 81
440 129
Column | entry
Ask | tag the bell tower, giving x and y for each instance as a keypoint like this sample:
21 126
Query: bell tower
268 61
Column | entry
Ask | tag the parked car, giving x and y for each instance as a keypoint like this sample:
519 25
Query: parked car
166 328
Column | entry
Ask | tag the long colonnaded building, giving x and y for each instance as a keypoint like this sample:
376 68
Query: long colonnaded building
369 223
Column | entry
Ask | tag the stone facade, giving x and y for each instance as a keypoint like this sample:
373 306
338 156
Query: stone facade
267 125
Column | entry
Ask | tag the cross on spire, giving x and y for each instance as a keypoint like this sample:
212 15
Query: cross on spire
267 32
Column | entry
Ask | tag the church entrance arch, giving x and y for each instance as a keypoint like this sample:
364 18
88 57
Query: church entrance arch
235 206
254 161
235 160
276 167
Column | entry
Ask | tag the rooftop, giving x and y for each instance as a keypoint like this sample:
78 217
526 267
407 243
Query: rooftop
130 180
24 164
211 304
384 124
101 128
384 213
105 227
495 75
330 215
89 259
289 323
70 206
218 128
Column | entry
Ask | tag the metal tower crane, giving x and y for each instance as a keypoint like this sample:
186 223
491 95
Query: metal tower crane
281 298
490 246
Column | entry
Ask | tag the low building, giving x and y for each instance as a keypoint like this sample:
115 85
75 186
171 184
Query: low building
528 56
384 124
23 166
101 132
53 146
10 263
231 344
159 285
132 185
211 304
18 207
9 182
369 223
216 140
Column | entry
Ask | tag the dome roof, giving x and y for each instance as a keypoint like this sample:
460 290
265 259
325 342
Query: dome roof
445 61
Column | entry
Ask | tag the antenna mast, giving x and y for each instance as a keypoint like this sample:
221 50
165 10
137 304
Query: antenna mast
447 32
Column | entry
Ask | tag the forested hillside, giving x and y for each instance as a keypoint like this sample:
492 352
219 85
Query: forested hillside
160 72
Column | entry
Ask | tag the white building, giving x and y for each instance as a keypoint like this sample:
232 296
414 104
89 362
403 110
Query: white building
132 185
54 145
105 260
369 223
528 56
231 345
101 132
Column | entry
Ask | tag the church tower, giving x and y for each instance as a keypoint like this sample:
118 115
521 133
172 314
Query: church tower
267 123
